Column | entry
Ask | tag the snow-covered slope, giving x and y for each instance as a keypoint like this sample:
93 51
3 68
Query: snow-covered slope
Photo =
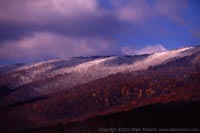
54 75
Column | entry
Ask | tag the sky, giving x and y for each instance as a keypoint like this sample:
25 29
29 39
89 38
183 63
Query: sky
36 30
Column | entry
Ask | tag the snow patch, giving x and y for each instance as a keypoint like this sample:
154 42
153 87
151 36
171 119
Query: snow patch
88 70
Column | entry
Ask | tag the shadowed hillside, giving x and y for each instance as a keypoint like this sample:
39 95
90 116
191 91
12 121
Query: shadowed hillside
160 116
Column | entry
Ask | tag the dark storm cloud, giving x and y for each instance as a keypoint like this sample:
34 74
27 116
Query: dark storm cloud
20 18
82 18
103 26
38 29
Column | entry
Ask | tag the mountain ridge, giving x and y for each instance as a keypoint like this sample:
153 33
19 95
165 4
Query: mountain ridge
82 94
101 67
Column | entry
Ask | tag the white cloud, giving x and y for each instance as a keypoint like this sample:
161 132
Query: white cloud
143 10
149 49
48 45
134 11
42 11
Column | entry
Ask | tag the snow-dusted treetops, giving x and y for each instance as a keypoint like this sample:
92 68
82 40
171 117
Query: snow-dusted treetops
54 75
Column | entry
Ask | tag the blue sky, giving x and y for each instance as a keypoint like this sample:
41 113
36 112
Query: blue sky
40 30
